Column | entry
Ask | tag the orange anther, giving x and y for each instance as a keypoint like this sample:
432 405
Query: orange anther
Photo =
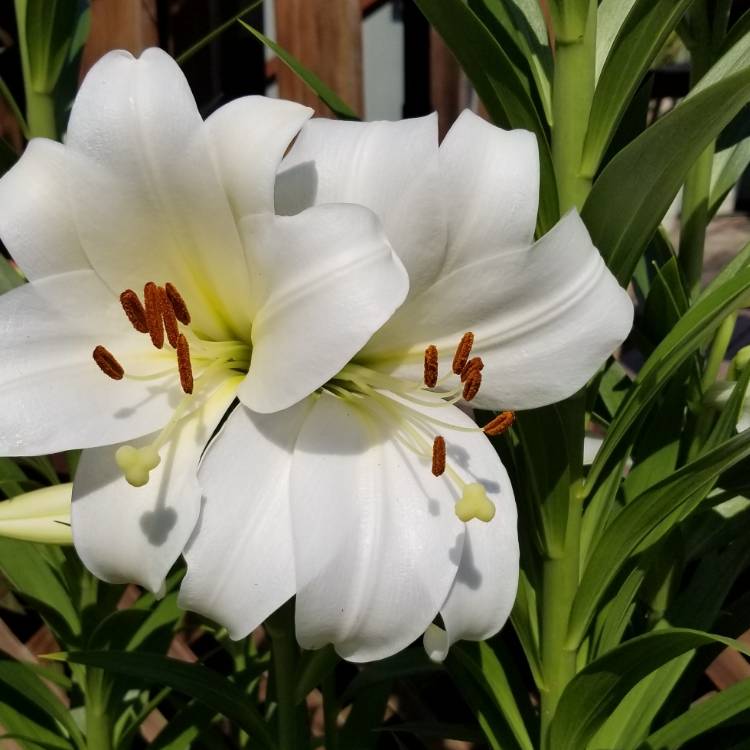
462 352
168 317
471 386
438 455
502 422
475 363
134 310
184 365
178 304
431 366
107 363
153 314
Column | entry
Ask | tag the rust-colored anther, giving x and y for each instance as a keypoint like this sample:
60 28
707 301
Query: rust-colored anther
462 352
178 304
134 310
431 366
475 363
502 422
153 314
438 455
107 363
183 364
168 317
471 386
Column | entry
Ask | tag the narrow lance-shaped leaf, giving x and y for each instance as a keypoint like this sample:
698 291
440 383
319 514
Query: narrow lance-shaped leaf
692 330
632 194
644 521
325 93
638 41
594 692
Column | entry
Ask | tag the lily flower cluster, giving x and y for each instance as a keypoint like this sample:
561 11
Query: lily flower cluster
267 358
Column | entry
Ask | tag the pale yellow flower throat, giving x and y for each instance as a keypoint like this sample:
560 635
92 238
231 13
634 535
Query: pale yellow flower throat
159 316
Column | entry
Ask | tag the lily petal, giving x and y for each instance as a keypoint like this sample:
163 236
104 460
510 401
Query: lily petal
376 538
36 222
53 397
134 534
245 516
149 204
248 138
490 186
328 265
484 589
544 319
391 168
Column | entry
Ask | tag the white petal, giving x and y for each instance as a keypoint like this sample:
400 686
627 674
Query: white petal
248 138
490 185
149 204
241 557
53 397
134 534
376 538
327 279
391 168
544 319
484 590
36 220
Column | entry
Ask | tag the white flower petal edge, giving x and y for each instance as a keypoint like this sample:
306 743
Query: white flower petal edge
147 197
249 137
376 538
390 167
489 179
36 221
134 534
327 278
241 556
544 319
52 395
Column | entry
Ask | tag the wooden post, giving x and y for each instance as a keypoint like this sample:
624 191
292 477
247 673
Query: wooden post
326 36
120 24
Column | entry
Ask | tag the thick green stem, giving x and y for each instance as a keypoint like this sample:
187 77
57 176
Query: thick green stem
284 655
559 586
40 115
98 724
572 93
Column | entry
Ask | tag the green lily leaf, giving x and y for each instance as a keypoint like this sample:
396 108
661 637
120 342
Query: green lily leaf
596 690
641 36
633 192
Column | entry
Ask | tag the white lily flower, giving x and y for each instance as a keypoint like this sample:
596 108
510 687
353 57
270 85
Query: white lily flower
337 502
146 196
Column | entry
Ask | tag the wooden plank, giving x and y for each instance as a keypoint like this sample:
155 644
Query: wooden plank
326 36
120 24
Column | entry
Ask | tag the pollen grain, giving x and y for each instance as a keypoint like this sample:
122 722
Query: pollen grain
107 362
438 455
431 366
462 352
